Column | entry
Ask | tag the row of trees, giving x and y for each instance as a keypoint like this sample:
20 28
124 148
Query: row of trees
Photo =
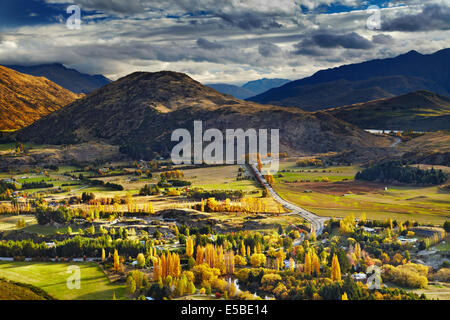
74 247
395 171
246 205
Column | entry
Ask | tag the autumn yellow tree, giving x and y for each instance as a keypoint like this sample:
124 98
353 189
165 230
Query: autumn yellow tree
199 256
116 260
307 268
103 255
344 296
315 264
242 248
140 260
189 246
258 158
258 259
335 269
157 274
229 262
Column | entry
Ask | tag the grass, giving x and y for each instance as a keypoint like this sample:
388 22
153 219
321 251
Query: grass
219 178
16 291
52 277
428 205
443 246
9 222
439 291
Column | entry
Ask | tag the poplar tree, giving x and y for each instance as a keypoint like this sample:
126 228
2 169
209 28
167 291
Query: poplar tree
307 264
335 269
116 260
315 264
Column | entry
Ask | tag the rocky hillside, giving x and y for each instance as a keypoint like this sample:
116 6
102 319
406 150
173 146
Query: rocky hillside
25 99
420 111
140 111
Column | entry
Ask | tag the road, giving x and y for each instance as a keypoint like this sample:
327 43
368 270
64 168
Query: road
316 221
397 141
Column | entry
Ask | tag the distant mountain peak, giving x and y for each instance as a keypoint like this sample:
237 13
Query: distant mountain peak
413 53
68 78
365 81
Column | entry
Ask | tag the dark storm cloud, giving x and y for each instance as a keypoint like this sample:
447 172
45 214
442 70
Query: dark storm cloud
382 39
113 6
348 41
209 45
268 49
249 20
433 17
246 15
319 44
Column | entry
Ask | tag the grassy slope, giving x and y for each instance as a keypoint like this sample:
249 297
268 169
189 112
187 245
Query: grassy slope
15 291
52 277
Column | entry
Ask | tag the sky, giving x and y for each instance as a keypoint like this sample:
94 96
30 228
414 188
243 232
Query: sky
219 41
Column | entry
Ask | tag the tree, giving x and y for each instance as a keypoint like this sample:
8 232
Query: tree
189 246
335 269
116 261
229 262
103 255
140 260
258 259
344 296
131 285
315 264
242 248
407 255
307 264
157 272
447 226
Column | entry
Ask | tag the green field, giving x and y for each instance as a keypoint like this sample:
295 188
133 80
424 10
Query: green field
8 222
219 178
423 204
52 277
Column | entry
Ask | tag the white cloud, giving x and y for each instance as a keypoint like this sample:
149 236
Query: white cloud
216 46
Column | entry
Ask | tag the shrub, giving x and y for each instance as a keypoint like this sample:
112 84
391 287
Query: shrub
409 275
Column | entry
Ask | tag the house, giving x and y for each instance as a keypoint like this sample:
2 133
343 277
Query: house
359 277
404 240
369 230
50 244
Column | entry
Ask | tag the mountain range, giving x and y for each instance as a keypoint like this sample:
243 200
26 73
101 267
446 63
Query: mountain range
420 110
362 82
250 88
25 99
70 79
140 111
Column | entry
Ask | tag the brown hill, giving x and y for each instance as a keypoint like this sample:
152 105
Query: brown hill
420 110
140 111
25 99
